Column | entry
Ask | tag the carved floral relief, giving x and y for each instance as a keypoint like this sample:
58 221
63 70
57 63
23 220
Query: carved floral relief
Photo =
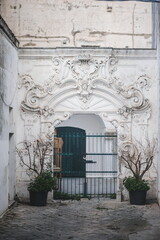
83 75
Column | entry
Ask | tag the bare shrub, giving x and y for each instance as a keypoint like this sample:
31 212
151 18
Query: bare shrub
35 155
138 158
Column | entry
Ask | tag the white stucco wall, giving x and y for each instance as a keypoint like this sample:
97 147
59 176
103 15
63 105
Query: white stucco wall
157 30
8 90
89 122
120 86
75 23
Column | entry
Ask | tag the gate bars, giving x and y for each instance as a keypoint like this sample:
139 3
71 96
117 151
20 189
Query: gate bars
86 165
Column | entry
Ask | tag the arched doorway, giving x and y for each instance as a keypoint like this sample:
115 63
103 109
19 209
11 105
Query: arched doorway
87 82
88 160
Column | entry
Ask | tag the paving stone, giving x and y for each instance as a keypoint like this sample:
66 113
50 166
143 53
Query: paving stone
96 219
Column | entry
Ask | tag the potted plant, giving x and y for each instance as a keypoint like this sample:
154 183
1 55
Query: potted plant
138 159
35 158
137 190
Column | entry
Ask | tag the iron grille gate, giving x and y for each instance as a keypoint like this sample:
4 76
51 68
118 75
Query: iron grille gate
85 165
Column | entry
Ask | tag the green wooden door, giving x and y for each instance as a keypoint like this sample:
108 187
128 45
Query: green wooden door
73 151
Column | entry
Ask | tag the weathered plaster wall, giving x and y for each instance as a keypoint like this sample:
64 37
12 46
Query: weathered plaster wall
157 29
75 23
120 86
8 79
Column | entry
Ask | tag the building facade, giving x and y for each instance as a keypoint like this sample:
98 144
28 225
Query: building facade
76 59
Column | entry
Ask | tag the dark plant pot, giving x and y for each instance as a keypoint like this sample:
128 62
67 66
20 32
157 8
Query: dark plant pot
38 198
137 197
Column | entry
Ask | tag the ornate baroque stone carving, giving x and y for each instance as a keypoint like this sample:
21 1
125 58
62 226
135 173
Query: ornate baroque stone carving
125 111
122 127
34 93
83 72
142 118
83 75
143 82
61 118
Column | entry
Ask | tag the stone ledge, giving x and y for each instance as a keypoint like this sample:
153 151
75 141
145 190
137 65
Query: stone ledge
8 32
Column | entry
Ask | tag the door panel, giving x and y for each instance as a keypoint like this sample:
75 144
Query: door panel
73 151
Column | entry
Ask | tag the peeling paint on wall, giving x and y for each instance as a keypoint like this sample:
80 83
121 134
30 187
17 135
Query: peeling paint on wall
83 22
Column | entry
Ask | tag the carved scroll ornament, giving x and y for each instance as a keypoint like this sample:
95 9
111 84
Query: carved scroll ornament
34 93
83 75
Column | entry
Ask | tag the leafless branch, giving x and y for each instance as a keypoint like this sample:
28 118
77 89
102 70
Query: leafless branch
138 158
35 155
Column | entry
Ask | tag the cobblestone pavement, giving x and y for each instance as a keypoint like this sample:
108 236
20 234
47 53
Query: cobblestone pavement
82 220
